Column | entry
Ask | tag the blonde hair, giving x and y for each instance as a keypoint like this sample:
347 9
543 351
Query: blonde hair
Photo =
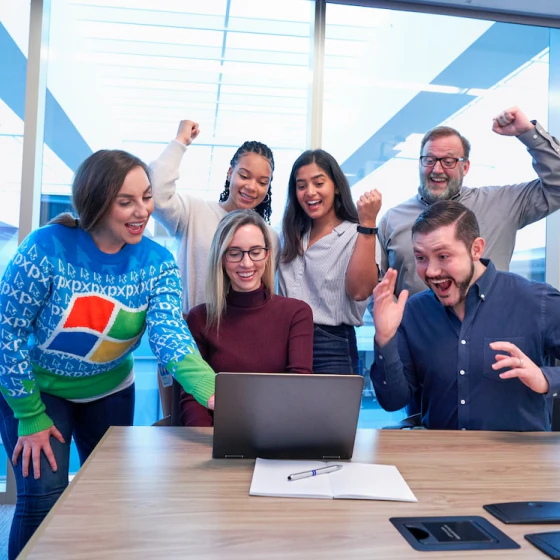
218 283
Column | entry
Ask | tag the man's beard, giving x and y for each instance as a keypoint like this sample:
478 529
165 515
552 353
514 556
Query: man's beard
453 187
462 286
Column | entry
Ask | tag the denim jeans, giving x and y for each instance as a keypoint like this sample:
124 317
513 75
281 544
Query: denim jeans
335 349
87 423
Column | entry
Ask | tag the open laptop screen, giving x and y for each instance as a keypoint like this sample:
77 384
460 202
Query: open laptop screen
286 416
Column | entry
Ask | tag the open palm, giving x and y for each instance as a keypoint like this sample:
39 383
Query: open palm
387 313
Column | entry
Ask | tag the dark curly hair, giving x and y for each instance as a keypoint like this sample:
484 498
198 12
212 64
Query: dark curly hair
264 209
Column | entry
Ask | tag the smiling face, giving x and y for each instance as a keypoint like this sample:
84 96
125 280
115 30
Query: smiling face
128 215
446 265
436 182
315 192
245 275
249 182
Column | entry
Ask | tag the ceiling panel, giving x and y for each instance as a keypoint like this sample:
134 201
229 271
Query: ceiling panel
540 8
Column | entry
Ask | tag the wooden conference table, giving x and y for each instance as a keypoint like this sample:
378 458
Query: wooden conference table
155 492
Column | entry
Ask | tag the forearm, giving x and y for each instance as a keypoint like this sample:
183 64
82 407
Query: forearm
361 274
392 389
300 343
29 411
169 207
545 150
381 250
171 340
195 376
17 380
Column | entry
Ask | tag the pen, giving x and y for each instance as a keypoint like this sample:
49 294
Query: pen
315 472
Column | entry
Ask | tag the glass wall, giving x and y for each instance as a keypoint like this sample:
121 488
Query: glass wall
387 83
122 74
14 38
377 108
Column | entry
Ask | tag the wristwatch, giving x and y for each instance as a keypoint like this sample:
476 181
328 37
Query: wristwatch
367 230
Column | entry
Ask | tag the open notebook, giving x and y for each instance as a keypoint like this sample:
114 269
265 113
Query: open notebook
356 481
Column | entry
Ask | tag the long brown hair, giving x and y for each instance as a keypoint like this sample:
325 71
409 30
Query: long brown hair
96 184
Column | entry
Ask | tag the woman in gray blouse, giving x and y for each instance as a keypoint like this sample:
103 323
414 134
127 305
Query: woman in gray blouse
328 256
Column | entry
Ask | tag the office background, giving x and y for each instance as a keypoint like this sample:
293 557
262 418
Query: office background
363 79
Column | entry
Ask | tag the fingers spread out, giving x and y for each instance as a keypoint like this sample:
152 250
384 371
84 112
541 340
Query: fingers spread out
50 458
36 456
26 456
57 434
403 296
17 452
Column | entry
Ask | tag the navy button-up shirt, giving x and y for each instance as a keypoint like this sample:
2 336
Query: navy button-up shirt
451 360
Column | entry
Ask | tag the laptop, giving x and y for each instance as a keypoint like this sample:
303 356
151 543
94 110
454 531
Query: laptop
286 415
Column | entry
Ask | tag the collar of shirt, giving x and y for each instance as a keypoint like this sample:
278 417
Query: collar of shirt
485 282
340 229
477 292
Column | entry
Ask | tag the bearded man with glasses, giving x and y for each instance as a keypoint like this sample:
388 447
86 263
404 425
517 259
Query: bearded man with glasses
500 210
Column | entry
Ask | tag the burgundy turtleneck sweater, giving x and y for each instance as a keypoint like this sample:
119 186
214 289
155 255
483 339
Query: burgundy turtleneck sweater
259 333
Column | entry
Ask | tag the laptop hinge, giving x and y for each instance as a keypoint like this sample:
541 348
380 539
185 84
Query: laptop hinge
331 456
233 456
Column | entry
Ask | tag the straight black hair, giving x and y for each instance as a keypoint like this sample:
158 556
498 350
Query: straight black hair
296 222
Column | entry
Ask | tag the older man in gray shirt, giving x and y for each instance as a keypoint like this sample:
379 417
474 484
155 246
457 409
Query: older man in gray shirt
500 211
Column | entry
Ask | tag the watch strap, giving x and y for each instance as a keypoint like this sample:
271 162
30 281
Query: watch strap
367 230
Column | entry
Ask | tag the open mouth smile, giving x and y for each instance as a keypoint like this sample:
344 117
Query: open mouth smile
438 180
246 275
135 227
313 204
441 287
247 197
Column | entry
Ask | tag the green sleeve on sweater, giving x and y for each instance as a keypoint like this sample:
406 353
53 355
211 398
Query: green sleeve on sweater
30 411
195 376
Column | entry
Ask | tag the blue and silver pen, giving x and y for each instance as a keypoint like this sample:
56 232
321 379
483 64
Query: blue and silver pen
315 472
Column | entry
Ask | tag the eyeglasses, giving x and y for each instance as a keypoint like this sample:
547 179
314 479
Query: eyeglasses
255 254
446 162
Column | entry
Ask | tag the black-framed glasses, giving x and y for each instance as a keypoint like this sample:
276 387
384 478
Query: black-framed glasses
446 162
255 254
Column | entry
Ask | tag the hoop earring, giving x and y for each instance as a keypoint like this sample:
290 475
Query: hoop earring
266 198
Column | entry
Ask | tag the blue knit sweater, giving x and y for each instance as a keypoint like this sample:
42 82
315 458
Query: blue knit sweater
71 316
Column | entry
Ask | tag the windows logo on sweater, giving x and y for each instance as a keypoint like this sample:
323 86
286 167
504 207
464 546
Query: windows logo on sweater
97 328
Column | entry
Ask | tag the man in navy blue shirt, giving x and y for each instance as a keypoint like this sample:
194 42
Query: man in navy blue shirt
476 342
